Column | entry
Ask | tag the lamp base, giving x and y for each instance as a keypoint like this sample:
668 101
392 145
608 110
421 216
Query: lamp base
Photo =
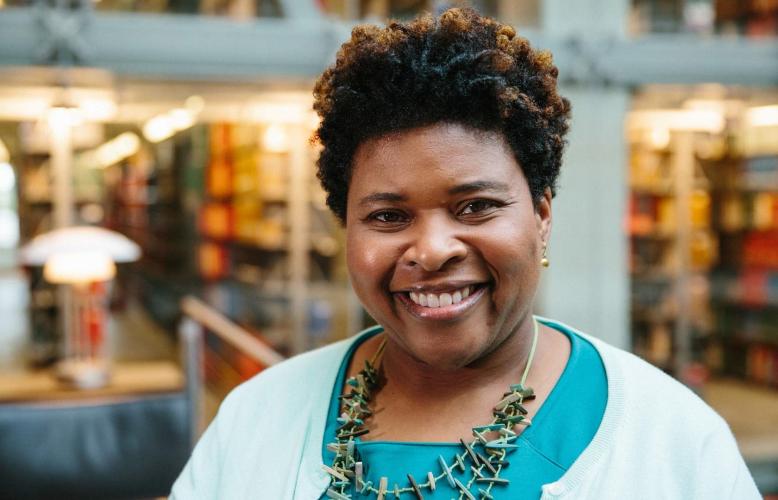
83 374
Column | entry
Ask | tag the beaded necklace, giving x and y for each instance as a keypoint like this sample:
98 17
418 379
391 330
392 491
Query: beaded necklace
485 455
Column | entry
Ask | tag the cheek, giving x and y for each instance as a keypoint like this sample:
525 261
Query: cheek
514 258
367 263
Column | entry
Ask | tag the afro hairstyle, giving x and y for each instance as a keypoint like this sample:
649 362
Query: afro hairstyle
460 68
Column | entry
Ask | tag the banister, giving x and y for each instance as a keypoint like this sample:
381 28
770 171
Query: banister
228 331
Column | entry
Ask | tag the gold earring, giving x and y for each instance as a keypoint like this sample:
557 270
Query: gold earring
544 261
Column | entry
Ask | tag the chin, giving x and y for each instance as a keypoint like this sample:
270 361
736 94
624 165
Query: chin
443 352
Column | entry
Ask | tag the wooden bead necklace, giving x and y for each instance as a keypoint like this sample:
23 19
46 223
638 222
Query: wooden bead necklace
485 455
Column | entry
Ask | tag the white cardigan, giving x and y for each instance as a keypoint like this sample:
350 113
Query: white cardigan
657 439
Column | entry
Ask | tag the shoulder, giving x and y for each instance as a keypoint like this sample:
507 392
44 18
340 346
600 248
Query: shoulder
647 388
294 392
656 439
310 372
662 418
648 408
638 386
659 416
663 408
248 428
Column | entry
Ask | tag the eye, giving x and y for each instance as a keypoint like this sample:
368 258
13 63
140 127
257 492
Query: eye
387 217
478 207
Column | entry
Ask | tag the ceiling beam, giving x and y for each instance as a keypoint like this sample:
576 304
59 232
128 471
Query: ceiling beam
175 47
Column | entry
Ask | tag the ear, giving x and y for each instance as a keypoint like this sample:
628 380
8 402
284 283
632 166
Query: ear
543 215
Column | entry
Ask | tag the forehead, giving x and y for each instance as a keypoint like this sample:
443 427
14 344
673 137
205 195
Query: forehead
441 154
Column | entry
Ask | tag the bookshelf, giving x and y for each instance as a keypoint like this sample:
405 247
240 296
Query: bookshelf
703 232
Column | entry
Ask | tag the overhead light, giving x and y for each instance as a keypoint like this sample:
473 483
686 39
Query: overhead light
278 112
64 116
95 105
22 108
74 106
117 149
97 110
727 107
762 116
694 120
126 144
659 138
275 139
181 118
158 129
194 103
164 126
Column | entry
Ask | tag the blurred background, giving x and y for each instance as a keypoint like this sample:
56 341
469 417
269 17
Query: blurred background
163 236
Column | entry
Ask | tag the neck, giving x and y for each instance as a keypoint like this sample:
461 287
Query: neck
500 366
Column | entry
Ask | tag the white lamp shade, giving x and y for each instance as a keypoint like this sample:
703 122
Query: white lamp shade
77 240
79 267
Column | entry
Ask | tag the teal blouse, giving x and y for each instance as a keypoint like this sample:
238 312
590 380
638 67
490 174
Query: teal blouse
561 429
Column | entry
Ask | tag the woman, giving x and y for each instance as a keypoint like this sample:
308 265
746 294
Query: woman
442 141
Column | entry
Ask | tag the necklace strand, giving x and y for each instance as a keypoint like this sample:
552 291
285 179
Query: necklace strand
486 453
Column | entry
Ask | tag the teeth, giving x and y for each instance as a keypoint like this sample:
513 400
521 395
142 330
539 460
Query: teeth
440 300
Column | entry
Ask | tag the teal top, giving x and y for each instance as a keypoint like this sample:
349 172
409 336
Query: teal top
561 429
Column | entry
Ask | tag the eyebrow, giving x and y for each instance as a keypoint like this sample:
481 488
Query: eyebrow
382 197
471 187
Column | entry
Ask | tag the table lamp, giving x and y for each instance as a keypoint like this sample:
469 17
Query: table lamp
82 261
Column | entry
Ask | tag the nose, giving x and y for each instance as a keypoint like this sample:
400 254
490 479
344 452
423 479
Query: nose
434 245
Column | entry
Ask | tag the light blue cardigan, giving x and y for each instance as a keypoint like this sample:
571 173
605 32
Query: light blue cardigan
657 439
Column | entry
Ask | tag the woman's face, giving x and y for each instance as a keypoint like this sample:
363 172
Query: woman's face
443 241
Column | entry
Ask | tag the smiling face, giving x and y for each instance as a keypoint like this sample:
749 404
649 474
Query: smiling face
444 242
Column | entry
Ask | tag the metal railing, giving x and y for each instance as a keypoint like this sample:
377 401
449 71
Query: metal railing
197 318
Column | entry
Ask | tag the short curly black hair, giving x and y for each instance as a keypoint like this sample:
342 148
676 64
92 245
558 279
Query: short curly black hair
459 68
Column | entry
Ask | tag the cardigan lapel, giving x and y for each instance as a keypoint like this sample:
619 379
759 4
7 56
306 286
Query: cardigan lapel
312 481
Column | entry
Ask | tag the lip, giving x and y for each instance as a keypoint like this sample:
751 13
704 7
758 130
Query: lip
447 313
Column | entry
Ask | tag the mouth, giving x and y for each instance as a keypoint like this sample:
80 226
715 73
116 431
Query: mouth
443 306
